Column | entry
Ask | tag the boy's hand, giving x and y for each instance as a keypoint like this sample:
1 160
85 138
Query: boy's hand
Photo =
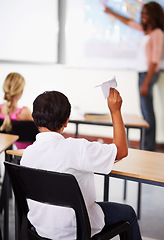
114 100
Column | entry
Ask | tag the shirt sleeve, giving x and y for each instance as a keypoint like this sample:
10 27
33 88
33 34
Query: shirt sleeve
156 45
97 157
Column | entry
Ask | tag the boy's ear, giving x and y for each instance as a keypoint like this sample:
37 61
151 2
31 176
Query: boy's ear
65 124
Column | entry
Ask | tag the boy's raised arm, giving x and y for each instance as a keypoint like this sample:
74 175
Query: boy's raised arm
119 136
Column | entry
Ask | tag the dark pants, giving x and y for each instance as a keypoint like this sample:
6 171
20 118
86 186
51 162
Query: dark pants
147 109
117 212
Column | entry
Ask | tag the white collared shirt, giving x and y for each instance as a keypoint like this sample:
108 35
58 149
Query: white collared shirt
51 151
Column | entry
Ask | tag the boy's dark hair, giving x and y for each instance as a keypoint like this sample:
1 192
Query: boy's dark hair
51 109
156 14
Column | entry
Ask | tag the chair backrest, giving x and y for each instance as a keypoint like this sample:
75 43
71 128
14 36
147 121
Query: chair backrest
26 130
49 187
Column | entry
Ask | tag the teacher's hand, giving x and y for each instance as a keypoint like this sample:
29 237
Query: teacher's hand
144 90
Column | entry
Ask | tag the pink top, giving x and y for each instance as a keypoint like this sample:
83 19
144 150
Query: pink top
154 45
13 116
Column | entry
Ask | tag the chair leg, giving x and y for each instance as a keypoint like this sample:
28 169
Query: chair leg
0 235
126 235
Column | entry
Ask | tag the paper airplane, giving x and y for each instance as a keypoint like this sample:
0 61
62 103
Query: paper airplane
105 86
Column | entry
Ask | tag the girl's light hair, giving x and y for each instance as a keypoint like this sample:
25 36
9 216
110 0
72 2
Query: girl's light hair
13 86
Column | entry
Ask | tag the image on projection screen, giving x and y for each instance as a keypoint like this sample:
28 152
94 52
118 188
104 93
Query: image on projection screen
29 30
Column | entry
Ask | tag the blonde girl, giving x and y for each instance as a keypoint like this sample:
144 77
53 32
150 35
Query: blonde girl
13 88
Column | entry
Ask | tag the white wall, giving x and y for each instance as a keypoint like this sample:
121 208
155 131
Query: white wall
78 84
29 31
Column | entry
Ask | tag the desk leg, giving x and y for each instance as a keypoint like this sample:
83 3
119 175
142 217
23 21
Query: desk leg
106 187
142 137
125 188
139 201
125 181
77 130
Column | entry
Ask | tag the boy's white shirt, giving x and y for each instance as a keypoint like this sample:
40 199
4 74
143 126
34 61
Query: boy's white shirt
51 151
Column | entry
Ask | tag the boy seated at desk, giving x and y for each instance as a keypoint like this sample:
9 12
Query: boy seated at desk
51 151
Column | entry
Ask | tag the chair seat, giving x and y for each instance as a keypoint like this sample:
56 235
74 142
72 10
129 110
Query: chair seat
121 228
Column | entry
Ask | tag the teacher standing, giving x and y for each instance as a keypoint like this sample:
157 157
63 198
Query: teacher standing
148 57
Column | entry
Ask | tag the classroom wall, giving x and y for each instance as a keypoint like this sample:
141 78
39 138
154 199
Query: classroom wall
79 85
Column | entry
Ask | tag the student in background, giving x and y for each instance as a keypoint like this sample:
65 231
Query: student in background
13 89
51 151
148 57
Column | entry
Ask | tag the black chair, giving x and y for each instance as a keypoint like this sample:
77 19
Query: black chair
26 130
37 185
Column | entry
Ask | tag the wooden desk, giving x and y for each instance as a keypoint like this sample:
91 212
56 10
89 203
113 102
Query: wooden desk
141 166
130 121
6 141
